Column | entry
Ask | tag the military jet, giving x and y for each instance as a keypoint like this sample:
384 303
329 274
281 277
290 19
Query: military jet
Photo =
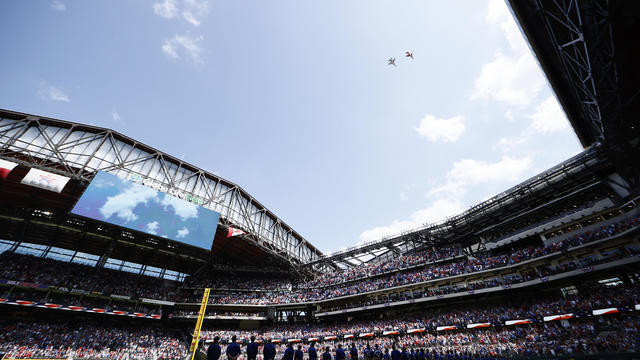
391 61
409 54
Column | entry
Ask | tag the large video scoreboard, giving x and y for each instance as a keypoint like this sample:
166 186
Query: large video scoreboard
124 203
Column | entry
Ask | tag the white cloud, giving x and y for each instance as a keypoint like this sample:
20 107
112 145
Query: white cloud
170 49
549 117
50 92
166 9
472 172
116 117
507 144
152 227
512 79
182 233
464 173
184 209
58 5
403 196
195 9
445 130
183 43
438 210
509 115
187 15
192 10
122 205
498 12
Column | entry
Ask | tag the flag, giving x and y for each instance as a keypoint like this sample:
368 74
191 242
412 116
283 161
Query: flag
234 232
450 327
45 180
25 303
5 168
606 311
558 317
478 325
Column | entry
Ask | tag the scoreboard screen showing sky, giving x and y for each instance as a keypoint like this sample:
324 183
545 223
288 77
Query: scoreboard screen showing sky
125 203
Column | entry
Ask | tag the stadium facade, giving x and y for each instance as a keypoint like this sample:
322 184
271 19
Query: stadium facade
556 257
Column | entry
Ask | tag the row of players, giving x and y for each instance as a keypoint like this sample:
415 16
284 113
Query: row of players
51 272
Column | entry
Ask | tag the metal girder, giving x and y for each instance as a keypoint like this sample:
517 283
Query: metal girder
564 24
589 53
79 151
363 253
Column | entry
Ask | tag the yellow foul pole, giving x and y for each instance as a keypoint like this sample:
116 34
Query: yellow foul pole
196 331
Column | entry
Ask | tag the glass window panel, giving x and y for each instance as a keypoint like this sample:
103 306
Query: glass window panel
152 271
113 264
31 249
86 259
59 256
5 245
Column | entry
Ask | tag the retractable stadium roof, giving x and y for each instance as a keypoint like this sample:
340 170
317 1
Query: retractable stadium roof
78 151
590 54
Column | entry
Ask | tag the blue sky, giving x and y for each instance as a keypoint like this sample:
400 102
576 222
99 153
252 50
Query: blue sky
293 99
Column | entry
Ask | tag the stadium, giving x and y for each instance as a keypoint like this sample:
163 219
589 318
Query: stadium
549 268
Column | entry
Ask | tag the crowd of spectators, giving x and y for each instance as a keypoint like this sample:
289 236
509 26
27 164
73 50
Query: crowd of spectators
88 302
624 296
504 281
31 340
408 269
238 283
584 334
439 271
220 313
370 270
614 334
31 269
